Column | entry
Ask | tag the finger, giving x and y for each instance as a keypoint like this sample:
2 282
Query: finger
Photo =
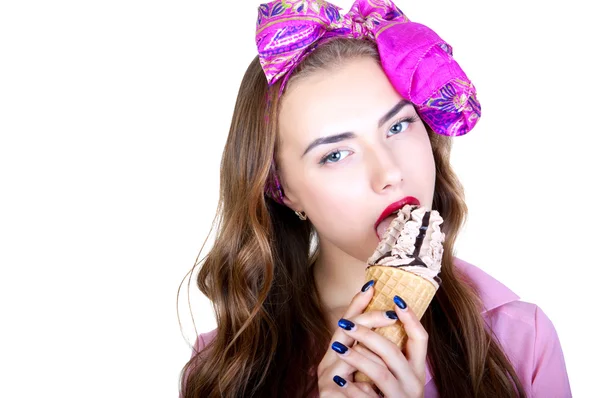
369 319
380 375
352 389
416 343
391 355
368 354
367 389
359 302
327 387
338 367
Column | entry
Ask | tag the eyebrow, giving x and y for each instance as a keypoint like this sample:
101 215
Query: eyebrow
331 139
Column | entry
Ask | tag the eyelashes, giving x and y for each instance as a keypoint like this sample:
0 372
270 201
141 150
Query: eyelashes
408 120
326 159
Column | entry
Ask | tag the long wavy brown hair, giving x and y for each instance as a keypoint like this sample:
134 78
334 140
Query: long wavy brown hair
258 275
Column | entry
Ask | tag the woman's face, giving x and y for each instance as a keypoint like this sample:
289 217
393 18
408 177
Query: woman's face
344 157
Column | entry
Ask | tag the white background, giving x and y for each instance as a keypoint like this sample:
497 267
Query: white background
113 116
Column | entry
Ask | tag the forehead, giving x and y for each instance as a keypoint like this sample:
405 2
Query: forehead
350 98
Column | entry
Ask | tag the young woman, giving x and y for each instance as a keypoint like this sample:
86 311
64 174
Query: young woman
338 118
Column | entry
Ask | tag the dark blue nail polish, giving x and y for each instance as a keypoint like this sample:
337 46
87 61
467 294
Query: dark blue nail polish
399 302
346 324
339 381
391 314
339 347
367 285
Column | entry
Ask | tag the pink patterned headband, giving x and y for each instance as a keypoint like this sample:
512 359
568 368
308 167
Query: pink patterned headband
418 63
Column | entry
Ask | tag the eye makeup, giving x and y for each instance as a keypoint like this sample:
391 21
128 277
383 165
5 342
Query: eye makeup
410 120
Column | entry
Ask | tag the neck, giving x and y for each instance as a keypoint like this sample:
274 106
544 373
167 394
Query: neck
338 277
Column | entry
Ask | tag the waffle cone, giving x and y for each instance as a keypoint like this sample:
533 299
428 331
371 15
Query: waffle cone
416 291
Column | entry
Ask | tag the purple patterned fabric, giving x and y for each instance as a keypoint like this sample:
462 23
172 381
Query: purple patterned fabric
418 63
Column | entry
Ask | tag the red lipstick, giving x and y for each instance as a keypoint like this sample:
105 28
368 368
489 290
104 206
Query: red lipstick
396 206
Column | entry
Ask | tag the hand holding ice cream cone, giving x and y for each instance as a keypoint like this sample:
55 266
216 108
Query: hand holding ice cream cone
406 264
392 372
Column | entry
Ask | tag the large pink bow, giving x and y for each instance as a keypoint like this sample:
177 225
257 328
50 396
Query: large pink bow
417 61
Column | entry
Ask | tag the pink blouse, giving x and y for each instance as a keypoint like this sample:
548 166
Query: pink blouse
525 332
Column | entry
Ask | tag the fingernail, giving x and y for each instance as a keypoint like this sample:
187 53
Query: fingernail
399 302
339 347
339 381
367 285
346 324
391 314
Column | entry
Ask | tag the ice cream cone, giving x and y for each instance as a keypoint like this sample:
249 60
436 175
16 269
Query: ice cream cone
407 263
415 290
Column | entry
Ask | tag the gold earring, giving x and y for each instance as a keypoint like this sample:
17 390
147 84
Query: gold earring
301 215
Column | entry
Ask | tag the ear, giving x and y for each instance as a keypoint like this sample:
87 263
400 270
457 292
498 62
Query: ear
291 202
289 198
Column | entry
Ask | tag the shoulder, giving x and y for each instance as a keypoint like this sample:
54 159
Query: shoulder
531 343
492 292
524 331
203 340
510 319
502 308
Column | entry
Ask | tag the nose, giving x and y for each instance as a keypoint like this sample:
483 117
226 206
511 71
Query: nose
386 173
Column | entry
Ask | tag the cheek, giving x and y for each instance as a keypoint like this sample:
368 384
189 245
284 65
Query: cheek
345 224
334 198
422 171
337 206
426 163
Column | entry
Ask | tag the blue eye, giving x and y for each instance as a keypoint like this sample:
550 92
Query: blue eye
404 122
332 157
398 127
